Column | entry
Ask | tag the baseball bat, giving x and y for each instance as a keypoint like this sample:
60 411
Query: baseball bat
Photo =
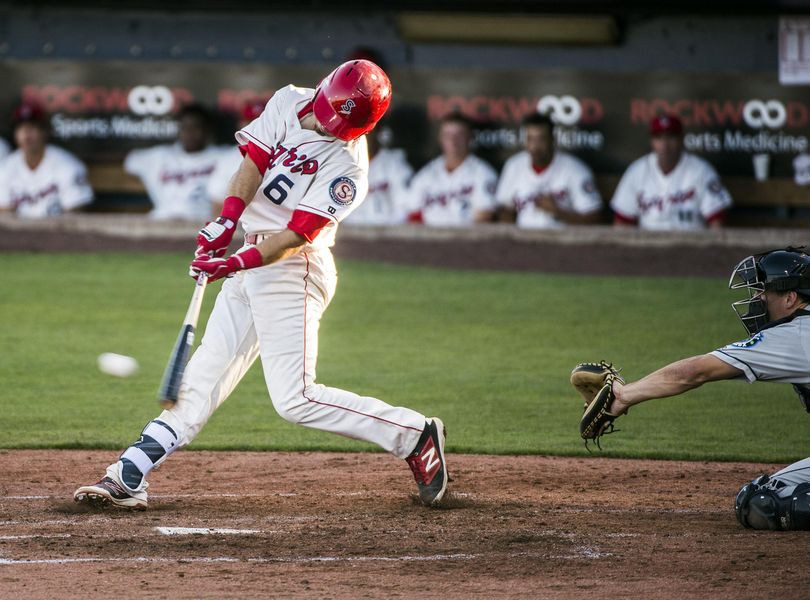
176 367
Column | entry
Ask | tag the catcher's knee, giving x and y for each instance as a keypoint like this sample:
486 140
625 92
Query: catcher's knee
759 507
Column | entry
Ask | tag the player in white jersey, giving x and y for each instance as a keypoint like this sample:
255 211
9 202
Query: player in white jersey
456 189
775 314
669 188
303 173
39 179
388 175
176 175
542 187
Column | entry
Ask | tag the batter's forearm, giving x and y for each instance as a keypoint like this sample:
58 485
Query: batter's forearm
245 183
280 246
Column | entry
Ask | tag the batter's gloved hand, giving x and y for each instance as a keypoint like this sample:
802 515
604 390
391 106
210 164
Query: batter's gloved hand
217 268
594 382
215 237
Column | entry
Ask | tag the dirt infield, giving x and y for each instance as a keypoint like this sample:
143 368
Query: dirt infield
315 525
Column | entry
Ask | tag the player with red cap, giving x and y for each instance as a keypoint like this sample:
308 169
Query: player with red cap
39 179
305 169
670 188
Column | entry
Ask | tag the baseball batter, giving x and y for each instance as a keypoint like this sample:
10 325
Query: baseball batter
456 189
543 187
38 179
176 175
304 171
669 188
776 316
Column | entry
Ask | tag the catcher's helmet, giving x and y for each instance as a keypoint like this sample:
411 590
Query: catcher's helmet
781 270
351 99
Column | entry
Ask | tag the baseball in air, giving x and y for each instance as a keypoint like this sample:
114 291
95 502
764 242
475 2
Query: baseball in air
117 365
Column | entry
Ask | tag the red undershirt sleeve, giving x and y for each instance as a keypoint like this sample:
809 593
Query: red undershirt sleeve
259 157
307 224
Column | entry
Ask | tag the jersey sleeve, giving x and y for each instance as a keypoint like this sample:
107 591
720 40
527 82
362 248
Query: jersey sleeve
5 190
625 198
268 127
714 198
483 196
585 197
141 162
74 188
775 354
415 192
504 192
336 192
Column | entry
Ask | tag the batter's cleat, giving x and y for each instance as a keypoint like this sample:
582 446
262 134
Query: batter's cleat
109 492
427 463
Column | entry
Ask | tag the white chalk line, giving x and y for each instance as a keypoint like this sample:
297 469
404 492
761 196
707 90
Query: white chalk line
35 535
229 559
205 531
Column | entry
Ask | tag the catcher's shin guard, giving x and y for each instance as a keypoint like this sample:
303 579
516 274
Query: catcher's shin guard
759 507
158 440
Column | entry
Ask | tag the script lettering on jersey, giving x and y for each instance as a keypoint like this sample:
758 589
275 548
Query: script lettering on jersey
25 198
444 199
648 203
560 198
183 176
295 162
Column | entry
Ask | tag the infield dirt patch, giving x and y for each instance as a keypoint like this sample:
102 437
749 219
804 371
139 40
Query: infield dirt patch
315 525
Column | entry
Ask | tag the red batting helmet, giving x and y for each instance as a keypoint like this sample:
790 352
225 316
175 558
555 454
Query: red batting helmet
351 99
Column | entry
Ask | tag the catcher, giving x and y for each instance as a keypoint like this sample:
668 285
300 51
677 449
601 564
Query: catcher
775 314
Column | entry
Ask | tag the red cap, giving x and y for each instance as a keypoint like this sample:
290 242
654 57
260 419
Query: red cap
351 99
666 124
252 110
29 112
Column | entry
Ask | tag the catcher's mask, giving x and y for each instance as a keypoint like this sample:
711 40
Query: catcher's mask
776 270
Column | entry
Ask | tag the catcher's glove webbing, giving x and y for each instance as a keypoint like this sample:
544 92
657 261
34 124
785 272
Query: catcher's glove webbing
594 381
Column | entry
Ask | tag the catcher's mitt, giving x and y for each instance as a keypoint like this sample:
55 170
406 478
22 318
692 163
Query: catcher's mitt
594 381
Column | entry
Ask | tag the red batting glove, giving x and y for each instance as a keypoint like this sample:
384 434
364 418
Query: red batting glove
216 236
217 268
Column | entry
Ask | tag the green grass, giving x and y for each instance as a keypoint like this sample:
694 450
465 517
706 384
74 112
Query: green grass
488 352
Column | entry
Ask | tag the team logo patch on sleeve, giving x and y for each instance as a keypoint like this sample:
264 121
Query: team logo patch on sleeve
752 341
342 191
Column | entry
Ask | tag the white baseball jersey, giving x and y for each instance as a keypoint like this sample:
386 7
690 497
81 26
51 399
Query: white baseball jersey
225 169
780 352
58 184
5 148
176 180
685 199
566 179
451 198
309 172
386 202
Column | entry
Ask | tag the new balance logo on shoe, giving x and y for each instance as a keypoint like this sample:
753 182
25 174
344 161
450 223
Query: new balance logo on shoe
428 465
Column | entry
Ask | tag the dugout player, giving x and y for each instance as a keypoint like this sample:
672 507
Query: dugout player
39 179
388 175
776 316
456 189
305 169
670 189
542 187
176 175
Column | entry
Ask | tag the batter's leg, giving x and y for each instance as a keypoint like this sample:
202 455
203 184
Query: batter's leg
228 349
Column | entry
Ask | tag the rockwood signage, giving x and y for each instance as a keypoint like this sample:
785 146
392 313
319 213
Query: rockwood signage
101 110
